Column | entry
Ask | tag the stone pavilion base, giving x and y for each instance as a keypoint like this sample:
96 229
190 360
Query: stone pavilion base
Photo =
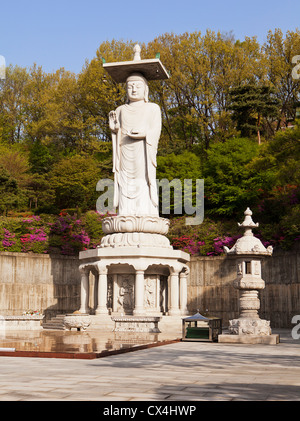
166 324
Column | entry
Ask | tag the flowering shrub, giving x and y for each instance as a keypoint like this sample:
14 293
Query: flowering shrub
8 239
209 238
29 235
219 244
194 246
205 239
188 244
67 235
35 241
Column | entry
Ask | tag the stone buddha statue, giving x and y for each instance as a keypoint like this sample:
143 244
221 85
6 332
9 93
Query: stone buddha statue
136 128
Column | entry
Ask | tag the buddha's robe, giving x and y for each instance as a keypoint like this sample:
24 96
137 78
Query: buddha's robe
134 161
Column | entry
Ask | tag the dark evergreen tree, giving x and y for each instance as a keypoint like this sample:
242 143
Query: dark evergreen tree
253 107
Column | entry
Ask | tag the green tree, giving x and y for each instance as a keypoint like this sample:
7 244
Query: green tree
278 208
74 181
203 68
8 191
185 166
230 184
252 108
40 193
40 158
278 52
282 156
12 100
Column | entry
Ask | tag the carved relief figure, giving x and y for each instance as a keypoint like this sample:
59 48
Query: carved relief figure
150 285
125 297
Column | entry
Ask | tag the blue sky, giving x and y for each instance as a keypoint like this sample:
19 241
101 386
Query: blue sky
64 33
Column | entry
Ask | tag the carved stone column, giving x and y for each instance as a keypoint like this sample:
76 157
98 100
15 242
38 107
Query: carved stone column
102 291
139 293
174 296
84 289
96 282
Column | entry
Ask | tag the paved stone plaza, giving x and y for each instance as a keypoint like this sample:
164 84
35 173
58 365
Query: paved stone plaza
183 371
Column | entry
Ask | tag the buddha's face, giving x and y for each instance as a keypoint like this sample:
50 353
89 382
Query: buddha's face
135 90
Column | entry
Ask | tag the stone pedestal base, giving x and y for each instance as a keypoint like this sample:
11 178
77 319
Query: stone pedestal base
249 331
135 280
249 339
247 326
136 270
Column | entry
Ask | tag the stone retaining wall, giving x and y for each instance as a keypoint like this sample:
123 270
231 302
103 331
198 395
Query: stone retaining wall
46 283
51 284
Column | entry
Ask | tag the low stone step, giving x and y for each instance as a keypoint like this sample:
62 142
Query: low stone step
56 322
53 327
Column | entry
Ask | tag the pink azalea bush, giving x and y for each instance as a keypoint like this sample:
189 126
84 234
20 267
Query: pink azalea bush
69 234
206 239
8 239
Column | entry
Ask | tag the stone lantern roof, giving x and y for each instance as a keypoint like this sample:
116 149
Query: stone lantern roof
249 244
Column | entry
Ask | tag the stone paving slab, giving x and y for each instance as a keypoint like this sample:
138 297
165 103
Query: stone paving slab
183 371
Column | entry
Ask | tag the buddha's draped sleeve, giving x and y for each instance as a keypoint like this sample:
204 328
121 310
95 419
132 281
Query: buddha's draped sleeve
116 140
152 138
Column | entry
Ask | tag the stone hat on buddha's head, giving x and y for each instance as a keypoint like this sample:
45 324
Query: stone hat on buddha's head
150 69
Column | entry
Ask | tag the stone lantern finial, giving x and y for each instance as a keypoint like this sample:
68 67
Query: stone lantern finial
248 243
248 223
137 53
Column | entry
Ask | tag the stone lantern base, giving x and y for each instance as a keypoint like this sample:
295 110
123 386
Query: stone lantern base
249 331
247 326
246 330
249 339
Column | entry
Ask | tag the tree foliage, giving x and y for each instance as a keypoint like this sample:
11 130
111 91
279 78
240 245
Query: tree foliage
253 107
223 93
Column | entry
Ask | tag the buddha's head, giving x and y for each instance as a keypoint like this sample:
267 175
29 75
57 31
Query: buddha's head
137 88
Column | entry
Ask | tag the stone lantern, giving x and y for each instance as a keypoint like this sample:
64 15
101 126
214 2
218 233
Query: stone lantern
249 252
